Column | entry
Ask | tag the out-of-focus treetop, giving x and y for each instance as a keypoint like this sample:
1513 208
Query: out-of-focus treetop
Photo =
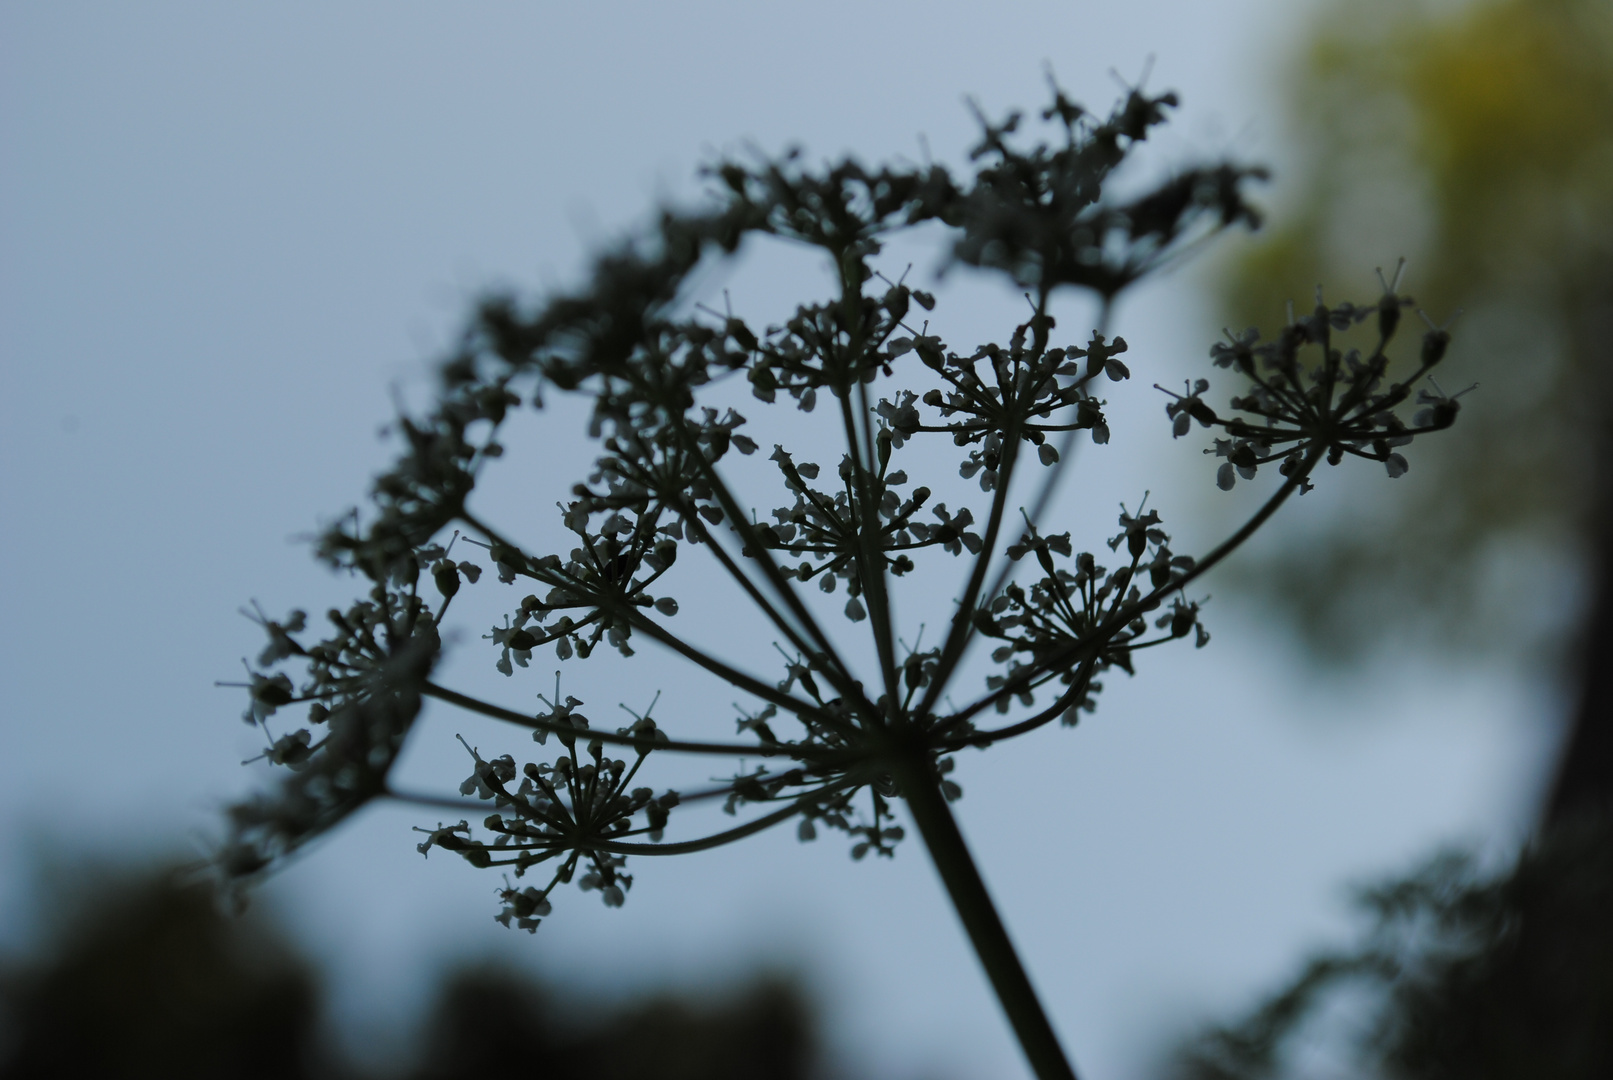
1475 140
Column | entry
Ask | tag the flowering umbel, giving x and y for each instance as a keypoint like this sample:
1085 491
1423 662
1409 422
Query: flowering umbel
836 750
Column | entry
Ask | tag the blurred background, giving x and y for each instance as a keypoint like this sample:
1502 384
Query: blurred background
232 240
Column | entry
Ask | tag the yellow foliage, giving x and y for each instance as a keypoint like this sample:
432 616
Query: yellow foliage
1476 139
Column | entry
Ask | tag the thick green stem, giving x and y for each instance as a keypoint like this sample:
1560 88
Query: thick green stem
985 927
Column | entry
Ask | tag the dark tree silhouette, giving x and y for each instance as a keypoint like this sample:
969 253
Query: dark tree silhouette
148 978
145 975
492 1022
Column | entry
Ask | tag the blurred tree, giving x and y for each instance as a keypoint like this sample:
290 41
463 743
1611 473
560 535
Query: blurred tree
145 977
491 1021
1477 140
1461 976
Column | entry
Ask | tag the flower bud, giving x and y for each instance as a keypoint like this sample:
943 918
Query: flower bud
896 303
1434 344
446 575
1388 315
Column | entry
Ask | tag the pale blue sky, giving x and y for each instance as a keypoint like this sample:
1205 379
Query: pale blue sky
226 235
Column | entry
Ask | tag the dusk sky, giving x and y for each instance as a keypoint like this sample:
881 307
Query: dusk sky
232 240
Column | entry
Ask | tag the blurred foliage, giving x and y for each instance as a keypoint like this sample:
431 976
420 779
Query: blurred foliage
491 1021
1475 139
150 978
146 977
1462 976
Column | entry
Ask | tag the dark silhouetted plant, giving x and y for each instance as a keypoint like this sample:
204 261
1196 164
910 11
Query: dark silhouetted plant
860 722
